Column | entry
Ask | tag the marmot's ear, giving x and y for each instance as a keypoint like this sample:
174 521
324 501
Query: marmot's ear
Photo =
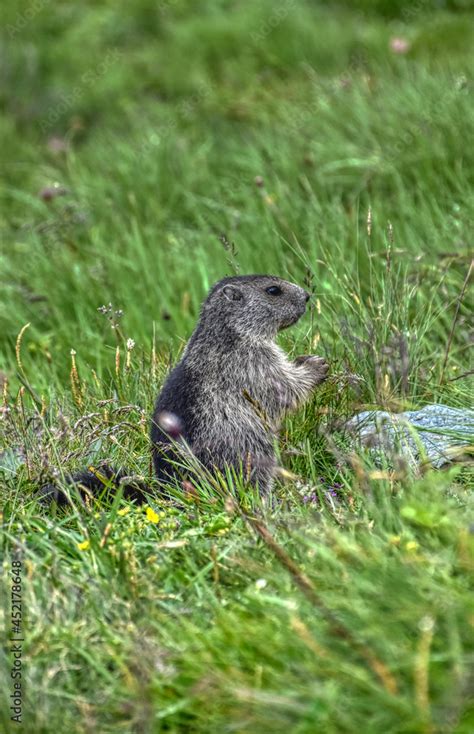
232 293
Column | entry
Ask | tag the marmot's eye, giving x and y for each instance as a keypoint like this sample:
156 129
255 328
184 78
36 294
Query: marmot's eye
273 290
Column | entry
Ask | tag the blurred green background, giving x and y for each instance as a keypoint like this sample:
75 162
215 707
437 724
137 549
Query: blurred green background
136 136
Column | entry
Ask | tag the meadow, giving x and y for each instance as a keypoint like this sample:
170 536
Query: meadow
148 150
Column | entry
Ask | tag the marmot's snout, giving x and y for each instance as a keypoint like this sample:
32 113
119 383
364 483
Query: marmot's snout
293 306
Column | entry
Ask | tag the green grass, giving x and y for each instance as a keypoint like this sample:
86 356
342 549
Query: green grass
192 141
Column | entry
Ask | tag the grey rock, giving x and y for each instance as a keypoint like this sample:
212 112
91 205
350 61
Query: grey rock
11 460
434 433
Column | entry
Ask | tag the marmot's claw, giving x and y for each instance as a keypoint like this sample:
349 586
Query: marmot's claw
318 366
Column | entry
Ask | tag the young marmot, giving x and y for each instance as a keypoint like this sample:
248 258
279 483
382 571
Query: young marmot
225 400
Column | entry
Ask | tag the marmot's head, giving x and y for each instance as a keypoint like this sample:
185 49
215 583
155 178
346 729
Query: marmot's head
258 305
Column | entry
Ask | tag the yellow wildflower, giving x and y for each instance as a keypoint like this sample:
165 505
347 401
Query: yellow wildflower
84 545
151 515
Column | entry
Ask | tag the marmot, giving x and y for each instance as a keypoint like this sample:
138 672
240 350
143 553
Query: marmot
226 398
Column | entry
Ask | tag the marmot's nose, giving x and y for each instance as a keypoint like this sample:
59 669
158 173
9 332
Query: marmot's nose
307 296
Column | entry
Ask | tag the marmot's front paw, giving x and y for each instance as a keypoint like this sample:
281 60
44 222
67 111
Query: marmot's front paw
318 366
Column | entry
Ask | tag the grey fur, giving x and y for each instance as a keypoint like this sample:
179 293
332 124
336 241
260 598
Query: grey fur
234 384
